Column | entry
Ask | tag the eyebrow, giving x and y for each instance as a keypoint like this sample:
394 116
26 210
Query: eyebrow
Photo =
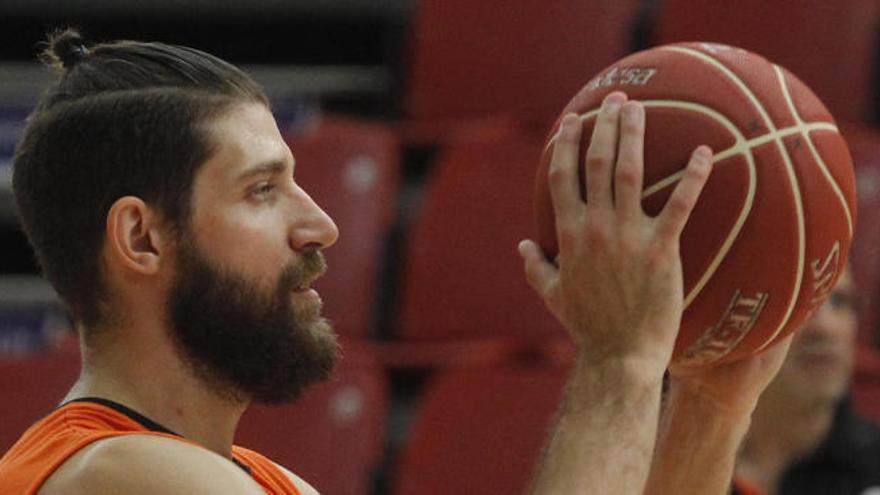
272 167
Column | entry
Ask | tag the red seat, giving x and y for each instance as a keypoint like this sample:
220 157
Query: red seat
864 144
469 60
463 278
351 169
333 436
829 45
31 387
480 431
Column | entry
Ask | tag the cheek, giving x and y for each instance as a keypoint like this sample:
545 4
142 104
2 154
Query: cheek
256 243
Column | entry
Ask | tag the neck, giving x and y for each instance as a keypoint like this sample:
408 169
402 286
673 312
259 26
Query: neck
150 378
782 431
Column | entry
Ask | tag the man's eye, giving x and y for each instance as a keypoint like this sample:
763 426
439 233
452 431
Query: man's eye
842 300
263 190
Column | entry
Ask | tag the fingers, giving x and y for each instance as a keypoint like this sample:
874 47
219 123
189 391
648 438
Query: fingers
603 151
563 171
775 355
680 204
540 273
630 167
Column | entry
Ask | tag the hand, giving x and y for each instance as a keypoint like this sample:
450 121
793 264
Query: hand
617 285
732 388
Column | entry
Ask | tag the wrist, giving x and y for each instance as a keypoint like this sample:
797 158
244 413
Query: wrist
630 372
694 399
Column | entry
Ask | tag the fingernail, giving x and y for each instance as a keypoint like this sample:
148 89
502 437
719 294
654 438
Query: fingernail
704 152
569 124
632 109
521 247
613 100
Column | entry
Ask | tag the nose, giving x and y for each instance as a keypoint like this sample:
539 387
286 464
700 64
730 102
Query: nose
311 227
830 320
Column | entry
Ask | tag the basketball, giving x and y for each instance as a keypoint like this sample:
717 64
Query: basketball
770 233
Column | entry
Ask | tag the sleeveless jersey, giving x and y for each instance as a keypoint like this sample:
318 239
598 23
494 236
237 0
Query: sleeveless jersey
47 444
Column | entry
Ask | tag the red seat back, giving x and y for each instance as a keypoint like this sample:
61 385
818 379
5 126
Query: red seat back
472 59
31 387
480 431
463 277
333 436
829 45
864 143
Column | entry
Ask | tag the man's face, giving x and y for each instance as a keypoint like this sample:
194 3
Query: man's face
820 363
240 305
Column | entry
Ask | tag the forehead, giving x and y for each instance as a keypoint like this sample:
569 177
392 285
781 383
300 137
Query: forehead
245 136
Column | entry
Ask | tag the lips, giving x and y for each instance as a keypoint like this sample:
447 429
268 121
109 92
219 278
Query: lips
824 359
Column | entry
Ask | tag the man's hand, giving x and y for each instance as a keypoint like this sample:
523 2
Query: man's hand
617 284
732 388
705 416
617 288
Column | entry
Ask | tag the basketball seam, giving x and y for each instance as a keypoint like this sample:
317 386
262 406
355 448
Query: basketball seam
707 274
819 160
795 187
741 148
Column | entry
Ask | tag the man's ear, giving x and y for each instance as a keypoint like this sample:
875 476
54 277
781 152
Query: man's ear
135 235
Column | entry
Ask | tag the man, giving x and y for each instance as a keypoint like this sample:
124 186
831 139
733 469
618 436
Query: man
160 199
805 437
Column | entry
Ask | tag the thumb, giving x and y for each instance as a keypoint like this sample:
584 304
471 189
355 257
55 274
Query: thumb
541 275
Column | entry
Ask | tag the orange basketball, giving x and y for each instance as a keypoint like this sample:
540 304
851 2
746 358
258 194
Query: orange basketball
770 234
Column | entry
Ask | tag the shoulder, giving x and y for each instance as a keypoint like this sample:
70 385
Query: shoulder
301 485
147 464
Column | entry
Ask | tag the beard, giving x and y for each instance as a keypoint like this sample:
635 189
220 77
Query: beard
248 343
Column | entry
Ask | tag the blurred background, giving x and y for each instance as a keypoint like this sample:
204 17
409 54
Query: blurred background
417 124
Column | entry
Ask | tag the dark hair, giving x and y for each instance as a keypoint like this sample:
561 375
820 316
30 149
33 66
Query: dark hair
125 118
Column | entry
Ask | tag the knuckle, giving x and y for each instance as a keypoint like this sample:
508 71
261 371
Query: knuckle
597 161
557 174
597 237
567 240
531 271
627 174
657 258
678 207
698 173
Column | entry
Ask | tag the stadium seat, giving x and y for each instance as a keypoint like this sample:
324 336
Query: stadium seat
463 278
31 386
473 60
864 144
829 45
480 431
351 169
333 436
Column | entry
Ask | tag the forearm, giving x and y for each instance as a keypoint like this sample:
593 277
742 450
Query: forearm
604 435
697 444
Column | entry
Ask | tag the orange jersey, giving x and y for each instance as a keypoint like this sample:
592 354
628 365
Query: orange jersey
743 487
46 445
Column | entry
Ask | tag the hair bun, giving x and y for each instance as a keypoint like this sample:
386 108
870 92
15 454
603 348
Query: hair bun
66 48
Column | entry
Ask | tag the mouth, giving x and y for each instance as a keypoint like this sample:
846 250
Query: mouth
824 359
305 292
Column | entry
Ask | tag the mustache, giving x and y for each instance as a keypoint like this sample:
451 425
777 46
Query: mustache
310 267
